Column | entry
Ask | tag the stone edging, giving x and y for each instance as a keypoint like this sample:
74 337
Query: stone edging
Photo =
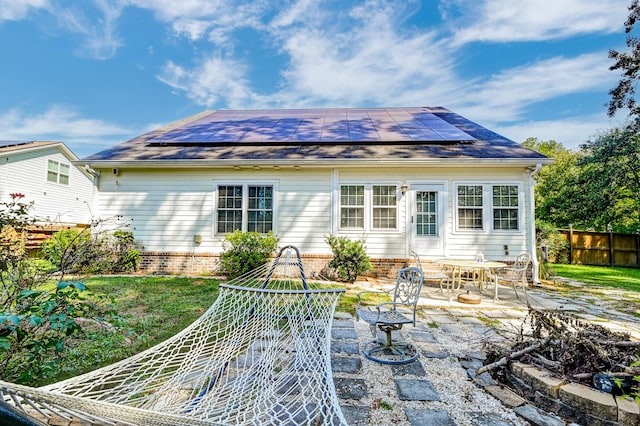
571 401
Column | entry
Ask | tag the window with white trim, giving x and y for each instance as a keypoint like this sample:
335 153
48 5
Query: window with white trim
57 172
483 207
385 209
470 207
352 207
368 207
505 207
246 207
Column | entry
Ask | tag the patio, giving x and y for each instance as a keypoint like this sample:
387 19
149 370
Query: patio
437 388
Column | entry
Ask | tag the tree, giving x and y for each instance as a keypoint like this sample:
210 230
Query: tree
611 170
623 95
557 191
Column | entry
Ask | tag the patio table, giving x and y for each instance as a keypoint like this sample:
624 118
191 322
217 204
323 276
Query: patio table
458 266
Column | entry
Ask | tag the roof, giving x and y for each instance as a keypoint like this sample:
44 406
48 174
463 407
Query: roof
317 136
15 146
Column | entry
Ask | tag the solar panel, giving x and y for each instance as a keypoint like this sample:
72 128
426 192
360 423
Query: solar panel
321 125
5 143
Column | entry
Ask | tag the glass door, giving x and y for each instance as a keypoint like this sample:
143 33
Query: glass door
427 219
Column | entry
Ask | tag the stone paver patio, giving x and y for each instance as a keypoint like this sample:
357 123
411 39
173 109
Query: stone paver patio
458 322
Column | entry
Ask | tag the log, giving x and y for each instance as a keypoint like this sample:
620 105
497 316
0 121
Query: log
505 359
622 344
553 365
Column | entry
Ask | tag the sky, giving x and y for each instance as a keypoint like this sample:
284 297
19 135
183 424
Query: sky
95 73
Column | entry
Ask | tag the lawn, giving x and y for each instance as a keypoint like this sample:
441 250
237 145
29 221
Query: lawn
156 308
601 276
152 310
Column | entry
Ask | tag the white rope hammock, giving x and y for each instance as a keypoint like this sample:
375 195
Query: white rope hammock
260 355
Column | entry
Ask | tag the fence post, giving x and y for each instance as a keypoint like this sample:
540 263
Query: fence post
610 229
570 244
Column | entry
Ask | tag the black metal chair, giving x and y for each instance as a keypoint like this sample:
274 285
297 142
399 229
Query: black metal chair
387 317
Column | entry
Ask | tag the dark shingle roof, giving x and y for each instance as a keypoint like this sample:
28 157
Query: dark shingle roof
318 135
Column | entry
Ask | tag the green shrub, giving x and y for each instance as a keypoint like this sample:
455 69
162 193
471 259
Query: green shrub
548 235
68 249
127 256
77 251
349 257
244 251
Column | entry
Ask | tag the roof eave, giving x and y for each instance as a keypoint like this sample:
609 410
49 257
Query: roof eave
356 163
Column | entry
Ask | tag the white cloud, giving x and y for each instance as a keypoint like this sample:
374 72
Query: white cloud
210 19
507 94
300 10
534 20
215 80
100 38
570 132
360 58
364 59
62 124
13 10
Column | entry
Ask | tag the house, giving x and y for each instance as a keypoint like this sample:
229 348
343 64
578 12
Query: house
61 191
423 179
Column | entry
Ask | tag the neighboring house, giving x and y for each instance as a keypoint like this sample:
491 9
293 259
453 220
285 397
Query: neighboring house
44 172
425 179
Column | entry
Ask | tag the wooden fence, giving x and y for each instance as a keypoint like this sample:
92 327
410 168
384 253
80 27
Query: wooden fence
37 234
602 248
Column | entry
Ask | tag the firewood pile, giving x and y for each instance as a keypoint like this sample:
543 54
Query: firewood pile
570 349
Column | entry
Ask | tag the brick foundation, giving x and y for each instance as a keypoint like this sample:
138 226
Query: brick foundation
207 264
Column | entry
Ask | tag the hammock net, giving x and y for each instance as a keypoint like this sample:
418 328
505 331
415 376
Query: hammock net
260 355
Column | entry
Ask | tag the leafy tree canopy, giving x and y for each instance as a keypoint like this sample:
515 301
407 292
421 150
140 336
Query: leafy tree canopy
594 188
623 95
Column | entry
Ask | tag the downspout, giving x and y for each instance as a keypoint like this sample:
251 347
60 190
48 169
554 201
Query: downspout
3 184
535 273
96 177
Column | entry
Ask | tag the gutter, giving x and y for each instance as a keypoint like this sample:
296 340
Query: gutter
322 163
535 273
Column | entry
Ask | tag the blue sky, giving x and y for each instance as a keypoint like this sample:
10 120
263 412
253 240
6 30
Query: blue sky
95 73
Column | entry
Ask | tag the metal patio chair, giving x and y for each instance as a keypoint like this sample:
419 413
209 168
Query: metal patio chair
436 273
514 274
387 318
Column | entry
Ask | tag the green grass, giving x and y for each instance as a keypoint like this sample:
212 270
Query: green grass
153 309
156 308
602 276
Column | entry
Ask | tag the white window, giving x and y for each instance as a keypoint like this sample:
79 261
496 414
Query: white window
485 207
246 207
368 207
470 207
58 172
352 207
505 207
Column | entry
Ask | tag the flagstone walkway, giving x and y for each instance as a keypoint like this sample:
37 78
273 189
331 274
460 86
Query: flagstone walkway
440 387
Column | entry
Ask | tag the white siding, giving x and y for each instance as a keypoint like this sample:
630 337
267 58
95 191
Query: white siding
169 207
168 213
26 173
